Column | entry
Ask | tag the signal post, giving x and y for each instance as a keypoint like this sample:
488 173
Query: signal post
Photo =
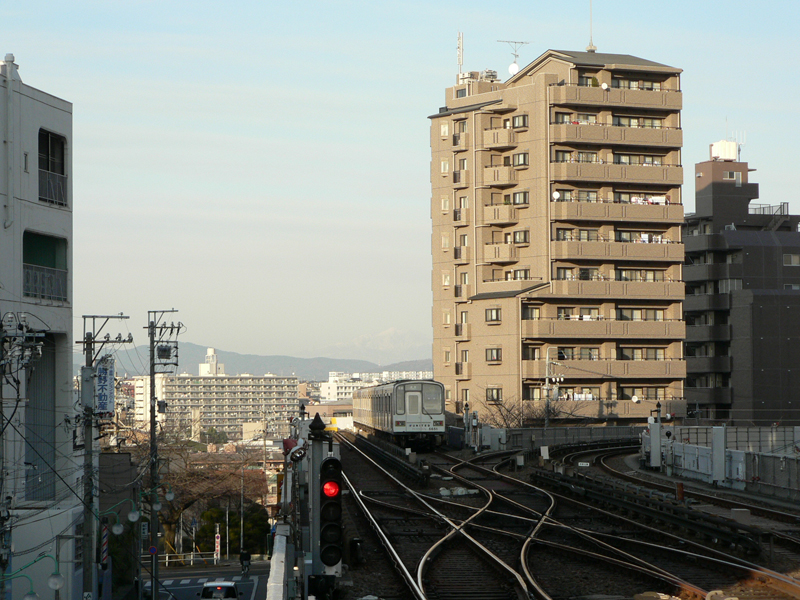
325 513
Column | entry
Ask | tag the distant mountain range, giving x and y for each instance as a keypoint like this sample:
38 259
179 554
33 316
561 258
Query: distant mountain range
135 361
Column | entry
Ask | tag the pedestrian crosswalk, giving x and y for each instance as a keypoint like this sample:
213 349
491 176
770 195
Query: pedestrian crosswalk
202 580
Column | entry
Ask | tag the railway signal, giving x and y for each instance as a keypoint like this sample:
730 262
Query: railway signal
330 512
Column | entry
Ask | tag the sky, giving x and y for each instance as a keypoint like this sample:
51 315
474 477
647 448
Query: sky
263 167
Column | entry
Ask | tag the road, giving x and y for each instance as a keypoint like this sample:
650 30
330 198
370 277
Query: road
185 583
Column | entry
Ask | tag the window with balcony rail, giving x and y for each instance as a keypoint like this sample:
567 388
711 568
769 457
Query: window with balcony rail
641 354
640 198
52 168
638 122
640 314
44 260
635 84
640 275
642 393
642 160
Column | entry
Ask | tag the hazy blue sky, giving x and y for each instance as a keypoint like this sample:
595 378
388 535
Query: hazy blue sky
263 166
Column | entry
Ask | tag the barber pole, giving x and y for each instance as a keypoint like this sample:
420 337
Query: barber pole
104 547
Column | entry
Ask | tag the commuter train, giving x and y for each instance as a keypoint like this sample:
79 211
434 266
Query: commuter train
409 413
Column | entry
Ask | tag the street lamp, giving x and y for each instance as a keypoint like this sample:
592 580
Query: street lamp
55 581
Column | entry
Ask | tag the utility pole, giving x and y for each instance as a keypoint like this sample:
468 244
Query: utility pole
88 401
163 355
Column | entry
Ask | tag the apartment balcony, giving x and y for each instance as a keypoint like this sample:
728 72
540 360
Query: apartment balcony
597 96
463 371
595 328
603 172
710 272
499 139
605 369
643 290
701 395
608 409
462 254
705 302
596 133
52 188
44 283
500 254
708 333
461 179
499 176
461 217
609 211
461 142
463 332
708 364
462 292
705 242
500 214
599 250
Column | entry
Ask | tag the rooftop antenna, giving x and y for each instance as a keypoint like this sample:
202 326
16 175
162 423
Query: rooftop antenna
513 68
591 47
460 51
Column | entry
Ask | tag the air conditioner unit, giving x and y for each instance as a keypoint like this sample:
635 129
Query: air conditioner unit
488 75
467 77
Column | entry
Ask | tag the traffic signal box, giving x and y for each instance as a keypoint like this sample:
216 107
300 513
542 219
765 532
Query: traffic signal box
330 514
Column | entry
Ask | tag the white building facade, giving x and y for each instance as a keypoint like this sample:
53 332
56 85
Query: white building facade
41 463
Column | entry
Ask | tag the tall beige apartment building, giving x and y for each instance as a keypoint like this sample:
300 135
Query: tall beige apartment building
557 256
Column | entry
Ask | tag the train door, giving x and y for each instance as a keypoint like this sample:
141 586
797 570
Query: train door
413 408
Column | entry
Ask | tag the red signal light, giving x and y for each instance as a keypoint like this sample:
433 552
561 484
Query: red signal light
330 489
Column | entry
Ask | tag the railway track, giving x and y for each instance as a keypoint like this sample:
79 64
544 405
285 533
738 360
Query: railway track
423 531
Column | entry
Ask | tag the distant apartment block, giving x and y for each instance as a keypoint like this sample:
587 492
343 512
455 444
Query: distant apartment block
340 386
557 255
197 403
742 306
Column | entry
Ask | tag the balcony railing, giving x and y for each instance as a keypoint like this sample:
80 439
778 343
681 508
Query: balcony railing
52 188
44 283
767 209
661 88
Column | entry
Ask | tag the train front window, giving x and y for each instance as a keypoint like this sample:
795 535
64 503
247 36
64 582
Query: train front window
400 409
412 402
432 399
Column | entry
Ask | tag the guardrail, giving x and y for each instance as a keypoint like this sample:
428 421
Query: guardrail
183 559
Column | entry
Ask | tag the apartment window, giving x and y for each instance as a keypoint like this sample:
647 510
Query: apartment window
494 394
530 313
445 203
447 356
44 265
642 353
640 275
465 356
564 273
587 81
563 156
640 314
531 353
494 354
642 393
588 235
461 126
729 285
520 198
563 118
791 286
522 274
521 159
566 353
446 316
444 128
463 316
465 396
462 164
445 278
522 236
492 315
52 168
728 175
587 157
791 260
589 313
563 235
589 274
587 119
464 278
445 241
590 354
519 121
462 93
463 202
445 166
463 240
25 161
